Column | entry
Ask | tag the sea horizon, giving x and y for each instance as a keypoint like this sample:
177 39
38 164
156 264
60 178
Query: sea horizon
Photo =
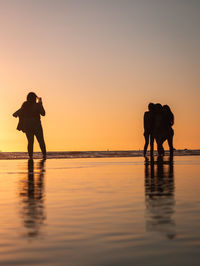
93 154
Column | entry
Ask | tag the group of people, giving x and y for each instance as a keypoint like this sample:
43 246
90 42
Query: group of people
158 122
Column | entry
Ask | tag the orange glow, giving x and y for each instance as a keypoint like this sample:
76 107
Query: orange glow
97 73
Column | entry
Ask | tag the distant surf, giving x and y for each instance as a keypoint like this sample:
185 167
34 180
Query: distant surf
90 154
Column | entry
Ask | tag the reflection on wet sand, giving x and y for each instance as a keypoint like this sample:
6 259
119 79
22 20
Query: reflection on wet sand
31 192
159 197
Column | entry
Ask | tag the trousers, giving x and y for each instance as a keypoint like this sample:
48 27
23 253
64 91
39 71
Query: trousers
148 136
38 132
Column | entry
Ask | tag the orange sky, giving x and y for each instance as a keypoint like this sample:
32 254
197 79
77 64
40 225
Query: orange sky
97 65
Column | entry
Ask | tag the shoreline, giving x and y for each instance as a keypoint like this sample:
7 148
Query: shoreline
91 154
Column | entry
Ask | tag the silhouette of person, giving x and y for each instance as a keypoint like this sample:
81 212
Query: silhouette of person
159 128
149 120
168 123
30 123
159 197
31 192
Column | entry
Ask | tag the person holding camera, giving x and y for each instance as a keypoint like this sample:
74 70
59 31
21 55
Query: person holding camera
30 123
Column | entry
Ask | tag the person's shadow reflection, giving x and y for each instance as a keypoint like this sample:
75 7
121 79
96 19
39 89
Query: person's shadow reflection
159 197
31 193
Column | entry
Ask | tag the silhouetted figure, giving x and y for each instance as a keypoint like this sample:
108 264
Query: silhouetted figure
159 196
149 120
30 123
168 118
31 192
159 129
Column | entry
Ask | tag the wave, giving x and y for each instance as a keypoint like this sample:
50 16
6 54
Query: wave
90 154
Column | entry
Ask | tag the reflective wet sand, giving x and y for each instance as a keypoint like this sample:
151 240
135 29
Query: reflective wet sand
120 211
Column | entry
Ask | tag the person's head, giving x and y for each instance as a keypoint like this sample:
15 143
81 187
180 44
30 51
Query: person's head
31 97
158 107
151 106
166 109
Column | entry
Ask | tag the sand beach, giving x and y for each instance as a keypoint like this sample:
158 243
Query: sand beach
100 211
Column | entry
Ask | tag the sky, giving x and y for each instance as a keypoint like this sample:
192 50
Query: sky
97 64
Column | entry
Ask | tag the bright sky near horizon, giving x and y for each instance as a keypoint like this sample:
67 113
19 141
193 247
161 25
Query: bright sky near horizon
97 64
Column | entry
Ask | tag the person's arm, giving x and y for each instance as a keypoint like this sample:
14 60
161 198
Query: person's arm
41 108
145 120
17 113
172 120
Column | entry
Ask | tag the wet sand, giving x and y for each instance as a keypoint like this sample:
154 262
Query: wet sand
100 211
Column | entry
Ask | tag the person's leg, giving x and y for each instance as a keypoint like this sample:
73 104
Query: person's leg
40 138
146 136
160 148
170 143
30 138
151 144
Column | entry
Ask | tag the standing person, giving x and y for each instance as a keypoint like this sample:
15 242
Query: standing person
159 129
30 123
149 118
168 118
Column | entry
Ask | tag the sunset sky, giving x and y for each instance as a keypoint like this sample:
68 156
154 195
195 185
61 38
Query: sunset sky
97 64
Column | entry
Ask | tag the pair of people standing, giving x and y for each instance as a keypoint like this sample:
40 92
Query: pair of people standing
158 122
30 123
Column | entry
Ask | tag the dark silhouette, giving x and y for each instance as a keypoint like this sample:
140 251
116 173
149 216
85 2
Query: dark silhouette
159 128
149 118
168 123
31 192
159 196
158 124
30 123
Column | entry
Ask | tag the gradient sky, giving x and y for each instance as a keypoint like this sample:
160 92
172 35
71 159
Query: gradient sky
97 64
